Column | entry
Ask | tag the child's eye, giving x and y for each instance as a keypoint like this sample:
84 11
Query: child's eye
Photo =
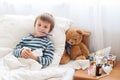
39 24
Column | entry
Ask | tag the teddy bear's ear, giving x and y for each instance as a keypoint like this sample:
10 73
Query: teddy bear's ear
86 33
80 31
66 31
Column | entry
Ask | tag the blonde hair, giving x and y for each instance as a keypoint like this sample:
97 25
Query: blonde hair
46 17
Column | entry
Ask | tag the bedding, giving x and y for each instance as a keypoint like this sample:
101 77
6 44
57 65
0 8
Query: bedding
12 29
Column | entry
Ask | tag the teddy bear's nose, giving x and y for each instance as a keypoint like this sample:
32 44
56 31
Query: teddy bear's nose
71 42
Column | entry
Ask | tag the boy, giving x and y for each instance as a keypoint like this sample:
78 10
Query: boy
38 40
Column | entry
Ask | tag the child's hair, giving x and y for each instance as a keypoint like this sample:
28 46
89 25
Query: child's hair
46 17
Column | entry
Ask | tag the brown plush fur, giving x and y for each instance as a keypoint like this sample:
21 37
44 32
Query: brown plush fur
78 49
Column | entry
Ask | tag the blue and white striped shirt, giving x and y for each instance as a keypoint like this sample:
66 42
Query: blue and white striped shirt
33 43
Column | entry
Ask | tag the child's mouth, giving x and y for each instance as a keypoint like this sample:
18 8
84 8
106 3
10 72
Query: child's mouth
48 34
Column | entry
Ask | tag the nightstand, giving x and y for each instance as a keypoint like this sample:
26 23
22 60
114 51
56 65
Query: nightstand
114 75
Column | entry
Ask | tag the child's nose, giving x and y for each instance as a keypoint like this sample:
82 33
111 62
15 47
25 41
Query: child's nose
42 28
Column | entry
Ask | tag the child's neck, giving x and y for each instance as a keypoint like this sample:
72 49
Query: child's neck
38 35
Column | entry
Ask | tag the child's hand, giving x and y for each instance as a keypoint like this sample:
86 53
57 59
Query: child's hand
26 53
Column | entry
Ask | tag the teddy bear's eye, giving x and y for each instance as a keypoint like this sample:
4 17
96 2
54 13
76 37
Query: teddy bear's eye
75 39
67 39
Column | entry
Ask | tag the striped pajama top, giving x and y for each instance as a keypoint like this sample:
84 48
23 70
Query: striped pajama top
33 43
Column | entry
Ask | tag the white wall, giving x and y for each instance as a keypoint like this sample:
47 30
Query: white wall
100 17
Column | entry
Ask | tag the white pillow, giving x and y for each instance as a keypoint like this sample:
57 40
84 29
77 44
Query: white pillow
4 51
13 28
61 25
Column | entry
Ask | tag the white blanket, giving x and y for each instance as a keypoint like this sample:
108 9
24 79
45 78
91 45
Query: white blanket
11 62
13 69
77 64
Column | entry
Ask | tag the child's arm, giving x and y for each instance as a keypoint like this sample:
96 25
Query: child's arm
17 50
48 54
24 53
19 47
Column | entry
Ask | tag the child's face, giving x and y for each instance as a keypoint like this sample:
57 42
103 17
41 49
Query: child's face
41 26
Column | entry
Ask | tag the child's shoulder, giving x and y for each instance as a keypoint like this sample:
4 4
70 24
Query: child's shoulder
27 36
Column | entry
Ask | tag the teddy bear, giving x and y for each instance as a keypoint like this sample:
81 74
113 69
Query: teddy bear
76 47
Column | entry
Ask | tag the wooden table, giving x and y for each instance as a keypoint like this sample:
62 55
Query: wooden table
114 75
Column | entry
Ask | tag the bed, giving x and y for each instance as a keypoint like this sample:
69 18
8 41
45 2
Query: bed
12 29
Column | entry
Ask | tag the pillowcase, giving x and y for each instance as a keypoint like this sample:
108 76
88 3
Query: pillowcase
14 27
4 51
